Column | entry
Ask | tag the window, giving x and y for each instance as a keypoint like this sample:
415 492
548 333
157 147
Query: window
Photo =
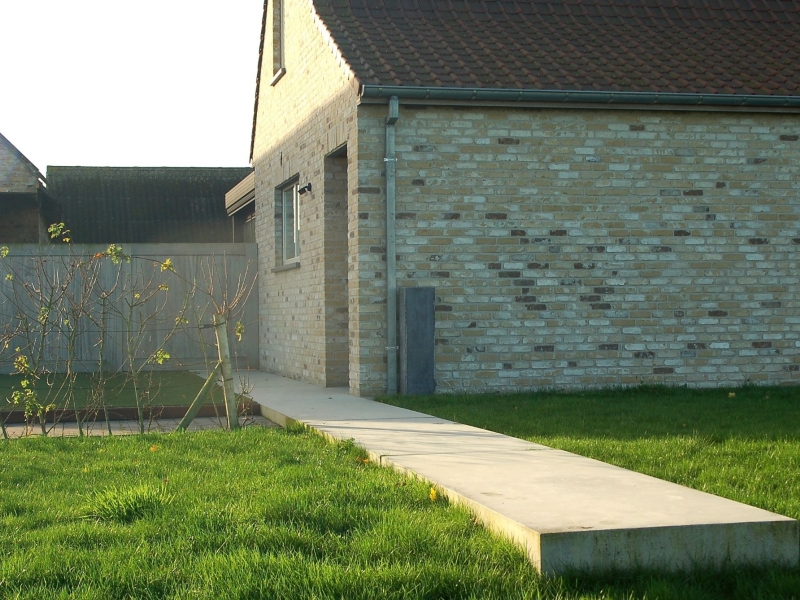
289 222
278 68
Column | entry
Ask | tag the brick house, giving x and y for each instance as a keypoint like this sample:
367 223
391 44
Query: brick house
601 193
25 207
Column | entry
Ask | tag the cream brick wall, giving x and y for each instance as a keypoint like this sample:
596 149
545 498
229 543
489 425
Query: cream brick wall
583 248
306 115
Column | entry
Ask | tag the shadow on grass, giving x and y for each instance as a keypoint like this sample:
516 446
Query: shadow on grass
756 413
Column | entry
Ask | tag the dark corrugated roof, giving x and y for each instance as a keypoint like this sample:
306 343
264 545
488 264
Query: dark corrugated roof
743 47
141 204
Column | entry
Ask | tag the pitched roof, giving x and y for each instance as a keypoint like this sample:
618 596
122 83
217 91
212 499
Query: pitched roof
142 204
745 47
675 52
22 160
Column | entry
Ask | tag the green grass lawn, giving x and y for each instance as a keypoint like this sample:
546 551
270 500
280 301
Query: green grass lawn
283 514
165 388
250 514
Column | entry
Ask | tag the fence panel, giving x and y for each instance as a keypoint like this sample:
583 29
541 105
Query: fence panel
70 307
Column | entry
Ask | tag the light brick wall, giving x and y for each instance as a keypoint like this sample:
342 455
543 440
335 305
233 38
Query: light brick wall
584 248
306 115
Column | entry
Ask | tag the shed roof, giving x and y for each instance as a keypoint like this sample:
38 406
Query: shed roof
144 204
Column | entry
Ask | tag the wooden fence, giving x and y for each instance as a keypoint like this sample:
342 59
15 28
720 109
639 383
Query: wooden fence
73 307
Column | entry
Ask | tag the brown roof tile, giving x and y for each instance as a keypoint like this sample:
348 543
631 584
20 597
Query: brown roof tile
686 46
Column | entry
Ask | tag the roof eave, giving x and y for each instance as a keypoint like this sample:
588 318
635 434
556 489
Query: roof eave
567 97
258 78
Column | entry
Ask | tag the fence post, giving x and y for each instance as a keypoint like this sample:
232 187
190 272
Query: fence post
221 331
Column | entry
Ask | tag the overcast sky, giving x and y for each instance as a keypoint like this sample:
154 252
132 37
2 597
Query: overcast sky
120 83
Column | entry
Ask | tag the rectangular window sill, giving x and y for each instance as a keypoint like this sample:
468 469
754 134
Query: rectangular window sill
278 74
287 267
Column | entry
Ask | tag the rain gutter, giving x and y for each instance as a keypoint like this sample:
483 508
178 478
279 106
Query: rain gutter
577 97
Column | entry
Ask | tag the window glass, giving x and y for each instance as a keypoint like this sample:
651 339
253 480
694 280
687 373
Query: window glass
291 222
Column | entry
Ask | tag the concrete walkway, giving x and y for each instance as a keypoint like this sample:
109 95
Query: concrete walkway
567 511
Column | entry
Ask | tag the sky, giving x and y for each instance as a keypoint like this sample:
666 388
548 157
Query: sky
128 84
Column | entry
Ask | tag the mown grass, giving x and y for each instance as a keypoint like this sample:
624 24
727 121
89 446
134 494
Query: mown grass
277 514
250 514
159 388
739 443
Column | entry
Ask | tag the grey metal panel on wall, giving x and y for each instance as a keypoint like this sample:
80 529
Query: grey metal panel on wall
417 340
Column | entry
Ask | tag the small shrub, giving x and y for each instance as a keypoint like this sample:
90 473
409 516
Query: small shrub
126 505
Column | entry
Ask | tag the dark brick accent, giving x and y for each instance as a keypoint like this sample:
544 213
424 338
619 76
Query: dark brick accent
424 148
791 368
681 233
762 344
692 192
405 215
678 313
435 257
510 274
472 325
661 249
363 215
419 182
536 265
609 347
700 209
604 290
496 216
443 308
451 216
663 370
718 313
600 305
525 282
506 366
441 274
756 161
647 354
583 265
789 138
494 266
796 240
758 241
696 346
770 304
558 232
525 299
711 217
536 307
636 127
369 190
517 233
508 141
590 298
544 348
720 185
596 249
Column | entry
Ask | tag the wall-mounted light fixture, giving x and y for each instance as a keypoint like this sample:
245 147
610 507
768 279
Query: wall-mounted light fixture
304 189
